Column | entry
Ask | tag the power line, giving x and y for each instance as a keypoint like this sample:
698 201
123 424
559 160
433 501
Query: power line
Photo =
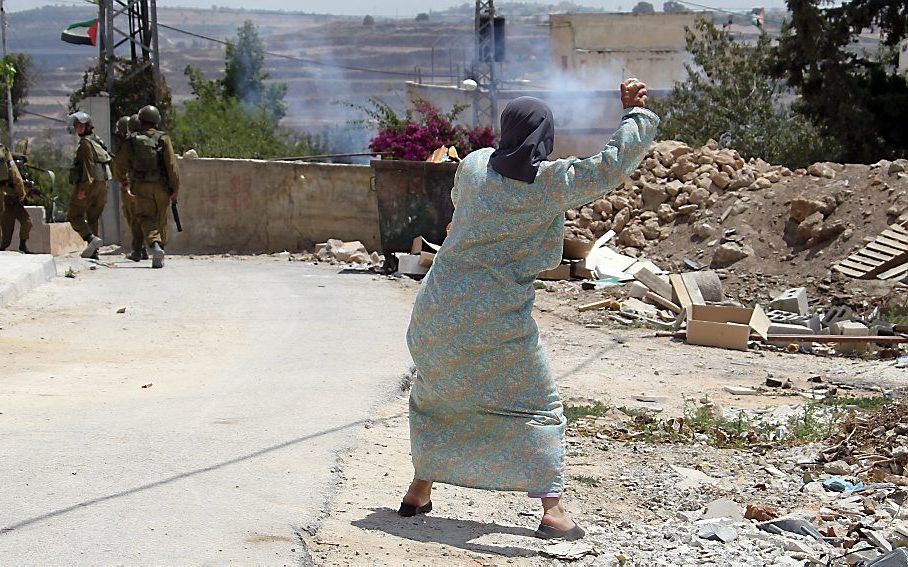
39 115
294 58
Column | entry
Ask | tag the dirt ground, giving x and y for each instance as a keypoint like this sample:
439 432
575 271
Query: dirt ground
626 494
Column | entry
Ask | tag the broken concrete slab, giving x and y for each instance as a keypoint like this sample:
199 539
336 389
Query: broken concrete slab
692 478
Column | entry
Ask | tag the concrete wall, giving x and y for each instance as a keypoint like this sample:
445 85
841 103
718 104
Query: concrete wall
903 57
253 206
56 238
649 46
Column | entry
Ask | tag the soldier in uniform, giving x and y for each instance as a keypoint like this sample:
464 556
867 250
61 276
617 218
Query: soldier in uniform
90 174
12 202
147 166
125 126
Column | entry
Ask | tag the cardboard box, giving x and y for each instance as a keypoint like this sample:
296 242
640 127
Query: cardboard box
409 264
725 327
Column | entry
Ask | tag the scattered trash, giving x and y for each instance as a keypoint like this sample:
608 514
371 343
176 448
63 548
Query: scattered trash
839 484
145 386
121 310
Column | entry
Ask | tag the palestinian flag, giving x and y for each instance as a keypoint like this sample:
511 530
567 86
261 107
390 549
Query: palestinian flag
83 33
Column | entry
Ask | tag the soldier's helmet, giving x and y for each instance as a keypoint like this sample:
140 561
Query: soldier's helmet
80 117
134 123
150 114
122 128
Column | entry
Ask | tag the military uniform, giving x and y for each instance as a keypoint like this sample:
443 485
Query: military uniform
128 205
148 164
91 175
12 206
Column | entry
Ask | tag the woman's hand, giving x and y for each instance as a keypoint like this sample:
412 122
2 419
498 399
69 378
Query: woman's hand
633 93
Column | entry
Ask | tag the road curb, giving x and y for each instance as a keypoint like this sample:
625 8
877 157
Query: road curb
21 273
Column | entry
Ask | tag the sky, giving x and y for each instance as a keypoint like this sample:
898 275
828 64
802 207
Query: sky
401 8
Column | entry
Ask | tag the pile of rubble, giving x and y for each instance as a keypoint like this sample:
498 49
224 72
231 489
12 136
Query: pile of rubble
337 251
842 506
674 181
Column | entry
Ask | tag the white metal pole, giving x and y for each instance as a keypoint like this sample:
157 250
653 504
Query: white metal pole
9 90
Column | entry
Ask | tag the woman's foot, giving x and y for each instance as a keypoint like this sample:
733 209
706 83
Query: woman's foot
417 500
556 515
419 493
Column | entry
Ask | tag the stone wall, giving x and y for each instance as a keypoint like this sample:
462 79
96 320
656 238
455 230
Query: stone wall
254 206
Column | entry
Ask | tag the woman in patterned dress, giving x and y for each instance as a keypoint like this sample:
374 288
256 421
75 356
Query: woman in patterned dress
484 408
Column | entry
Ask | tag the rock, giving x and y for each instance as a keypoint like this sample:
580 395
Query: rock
773 177
761 512
682 167
621 219
685 210
897 166
653 196
604 208
681 200
821 170
190 154
619 202
760 184
729 253
717 532
674 187
704 230
725 157
651 229
803 207
698 196
809 225
838 468
742 179
720 180
692 478
665 213
723 508
632 236
827 231
673 147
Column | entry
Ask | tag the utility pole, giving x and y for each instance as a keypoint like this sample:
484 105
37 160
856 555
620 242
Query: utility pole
135 23
9 90
485 97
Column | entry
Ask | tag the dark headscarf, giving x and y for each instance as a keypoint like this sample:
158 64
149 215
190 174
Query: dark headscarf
527 138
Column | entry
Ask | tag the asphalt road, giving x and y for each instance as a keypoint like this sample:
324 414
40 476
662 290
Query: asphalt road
258 371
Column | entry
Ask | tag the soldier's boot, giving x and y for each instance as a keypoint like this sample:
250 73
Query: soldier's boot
135 255
157 255
144 253
23 247
91 251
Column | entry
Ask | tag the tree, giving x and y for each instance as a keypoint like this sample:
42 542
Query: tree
244 74
643 8
238 115
671 7
729 96
422 17
855 97
131 90
368 21
16 68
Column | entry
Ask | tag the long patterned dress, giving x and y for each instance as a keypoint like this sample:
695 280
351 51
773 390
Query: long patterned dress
484 409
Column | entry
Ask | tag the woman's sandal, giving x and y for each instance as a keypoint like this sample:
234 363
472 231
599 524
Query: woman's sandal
548 532
409 510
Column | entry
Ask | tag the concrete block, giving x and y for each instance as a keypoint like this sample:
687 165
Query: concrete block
837 314
57 239
789 329
20 273
793 300
853 329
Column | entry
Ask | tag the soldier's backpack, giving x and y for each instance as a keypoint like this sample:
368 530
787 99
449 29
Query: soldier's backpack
102 160
147 156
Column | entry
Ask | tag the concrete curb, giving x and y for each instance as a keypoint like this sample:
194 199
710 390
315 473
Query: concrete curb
21 273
